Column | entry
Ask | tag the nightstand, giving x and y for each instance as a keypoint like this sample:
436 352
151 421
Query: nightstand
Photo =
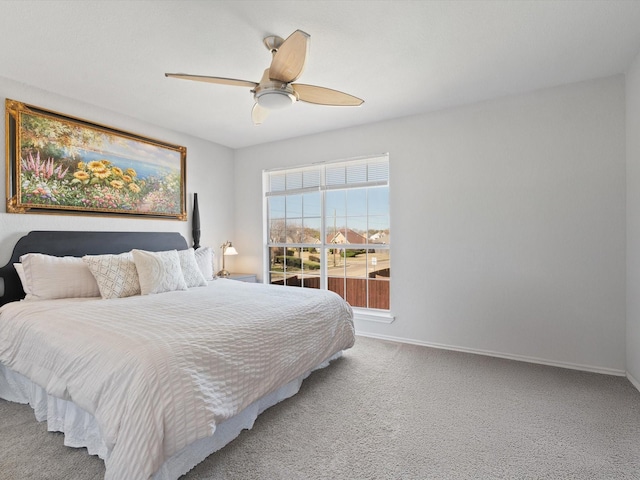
244 277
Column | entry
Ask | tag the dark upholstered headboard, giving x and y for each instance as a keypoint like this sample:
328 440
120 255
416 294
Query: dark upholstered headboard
77 244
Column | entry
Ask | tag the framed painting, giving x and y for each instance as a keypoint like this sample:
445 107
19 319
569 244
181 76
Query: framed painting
61 164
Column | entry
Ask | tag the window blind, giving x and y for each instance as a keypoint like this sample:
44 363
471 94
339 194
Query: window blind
362 172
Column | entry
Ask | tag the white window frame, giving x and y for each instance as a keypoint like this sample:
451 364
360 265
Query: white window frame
369 314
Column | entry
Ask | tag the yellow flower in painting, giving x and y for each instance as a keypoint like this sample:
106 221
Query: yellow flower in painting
105 162
116 171
81 165
134 188
131 172
102 173
81 175
95 165
117 184
127 178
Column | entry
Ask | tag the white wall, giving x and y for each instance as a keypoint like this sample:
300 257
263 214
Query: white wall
633 220
508 222
209 173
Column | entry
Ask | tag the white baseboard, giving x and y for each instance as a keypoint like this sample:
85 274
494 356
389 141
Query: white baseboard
633 381
508 356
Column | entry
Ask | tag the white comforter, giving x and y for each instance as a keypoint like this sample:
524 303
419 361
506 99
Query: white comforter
159 372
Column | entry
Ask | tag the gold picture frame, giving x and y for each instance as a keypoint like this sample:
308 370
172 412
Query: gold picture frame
61 164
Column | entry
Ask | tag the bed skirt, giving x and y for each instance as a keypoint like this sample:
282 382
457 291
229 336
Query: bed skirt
81 429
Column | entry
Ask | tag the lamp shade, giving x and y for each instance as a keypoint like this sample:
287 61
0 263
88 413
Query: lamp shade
230 250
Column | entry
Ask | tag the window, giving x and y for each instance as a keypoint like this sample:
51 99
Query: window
327 226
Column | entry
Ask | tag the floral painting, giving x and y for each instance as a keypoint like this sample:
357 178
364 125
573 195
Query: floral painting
62 163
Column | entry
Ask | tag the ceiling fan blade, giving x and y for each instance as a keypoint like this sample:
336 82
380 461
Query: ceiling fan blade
288 62
259 114
325 96
221 80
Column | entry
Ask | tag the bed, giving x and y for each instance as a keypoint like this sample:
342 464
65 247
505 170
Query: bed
155 383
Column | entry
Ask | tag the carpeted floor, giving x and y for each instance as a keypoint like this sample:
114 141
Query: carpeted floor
394 411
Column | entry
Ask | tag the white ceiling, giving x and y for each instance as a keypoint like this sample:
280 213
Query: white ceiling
402 57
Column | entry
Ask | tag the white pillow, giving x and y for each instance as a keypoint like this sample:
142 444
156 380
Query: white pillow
190 271
204 257
25 286
49 277
116 275
158 271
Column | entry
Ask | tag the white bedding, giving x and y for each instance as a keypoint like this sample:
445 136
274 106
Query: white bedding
159 372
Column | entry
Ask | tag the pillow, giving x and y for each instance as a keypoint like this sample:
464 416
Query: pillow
190 271
116 275
158 272
20 270
204 257
49 277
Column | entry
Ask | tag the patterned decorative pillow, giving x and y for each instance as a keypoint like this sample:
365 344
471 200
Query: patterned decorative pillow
158 272
190 271
204 257
49 277
116 275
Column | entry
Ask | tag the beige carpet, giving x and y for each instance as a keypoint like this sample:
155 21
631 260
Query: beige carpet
392 411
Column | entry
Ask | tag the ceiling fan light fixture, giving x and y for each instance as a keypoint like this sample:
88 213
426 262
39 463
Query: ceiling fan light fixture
275 99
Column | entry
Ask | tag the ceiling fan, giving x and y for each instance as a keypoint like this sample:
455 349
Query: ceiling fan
276 90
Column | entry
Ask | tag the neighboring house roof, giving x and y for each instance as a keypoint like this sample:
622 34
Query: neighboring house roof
347 236
336 238
380 237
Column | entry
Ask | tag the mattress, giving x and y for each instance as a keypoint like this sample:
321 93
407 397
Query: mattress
158 373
